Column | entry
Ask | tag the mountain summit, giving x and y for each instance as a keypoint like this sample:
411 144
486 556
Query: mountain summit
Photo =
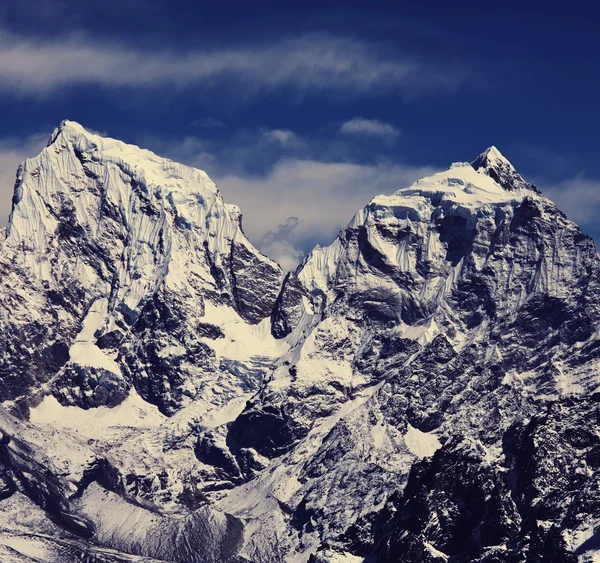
492 163
424 389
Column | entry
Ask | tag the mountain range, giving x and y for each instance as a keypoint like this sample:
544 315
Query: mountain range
424 389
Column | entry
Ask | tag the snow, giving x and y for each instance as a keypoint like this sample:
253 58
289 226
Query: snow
257 502
133 412
460 190
345 558
171 216
585 541
423 333
494 156
462 185
242 341
436 552
227 413
282 482
171 351
116 518
90 355
44 446
32 547
421 444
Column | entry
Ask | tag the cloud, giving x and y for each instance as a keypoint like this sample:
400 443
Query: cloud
306 202
208 122
314 63
578 197
279 244
281 136
370 128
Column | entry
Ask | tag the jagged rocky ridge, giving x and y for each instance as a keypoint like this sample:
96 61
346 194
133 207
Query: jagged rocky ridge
420 390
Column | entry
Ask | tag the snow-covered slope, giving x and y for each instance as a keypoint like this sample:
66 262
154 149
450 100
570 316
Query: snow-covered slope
420 390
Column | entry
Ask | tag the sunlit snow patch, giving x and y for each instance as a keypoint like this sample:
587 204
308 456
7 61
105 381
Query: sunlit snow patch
133 412
422 444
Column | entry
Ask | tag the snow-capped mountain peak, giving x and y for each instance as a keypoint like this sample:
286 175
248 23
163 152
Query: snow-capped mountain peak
492 154
459 197
105 233
492 162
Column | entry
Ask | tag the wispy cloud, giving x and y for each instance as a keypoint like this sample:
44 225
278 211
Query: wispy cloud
280 244
315 63
208 123
370 128
578 197
280 136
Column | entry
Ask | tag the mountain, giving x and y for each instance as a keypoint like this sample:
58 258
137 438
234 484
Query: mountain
424 389
115 261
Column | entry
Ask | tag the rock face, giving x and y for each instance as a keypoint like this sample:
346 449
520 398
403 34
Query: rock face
493 164
540 504
424 389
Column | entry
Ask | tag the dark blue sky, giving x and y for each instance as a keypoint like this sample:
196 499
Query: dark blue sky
363 95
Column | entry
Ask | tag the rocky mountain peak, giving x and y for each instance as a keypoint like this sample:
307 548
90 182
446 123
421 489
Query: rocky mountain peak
492 163
492 154
69 128
104 236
